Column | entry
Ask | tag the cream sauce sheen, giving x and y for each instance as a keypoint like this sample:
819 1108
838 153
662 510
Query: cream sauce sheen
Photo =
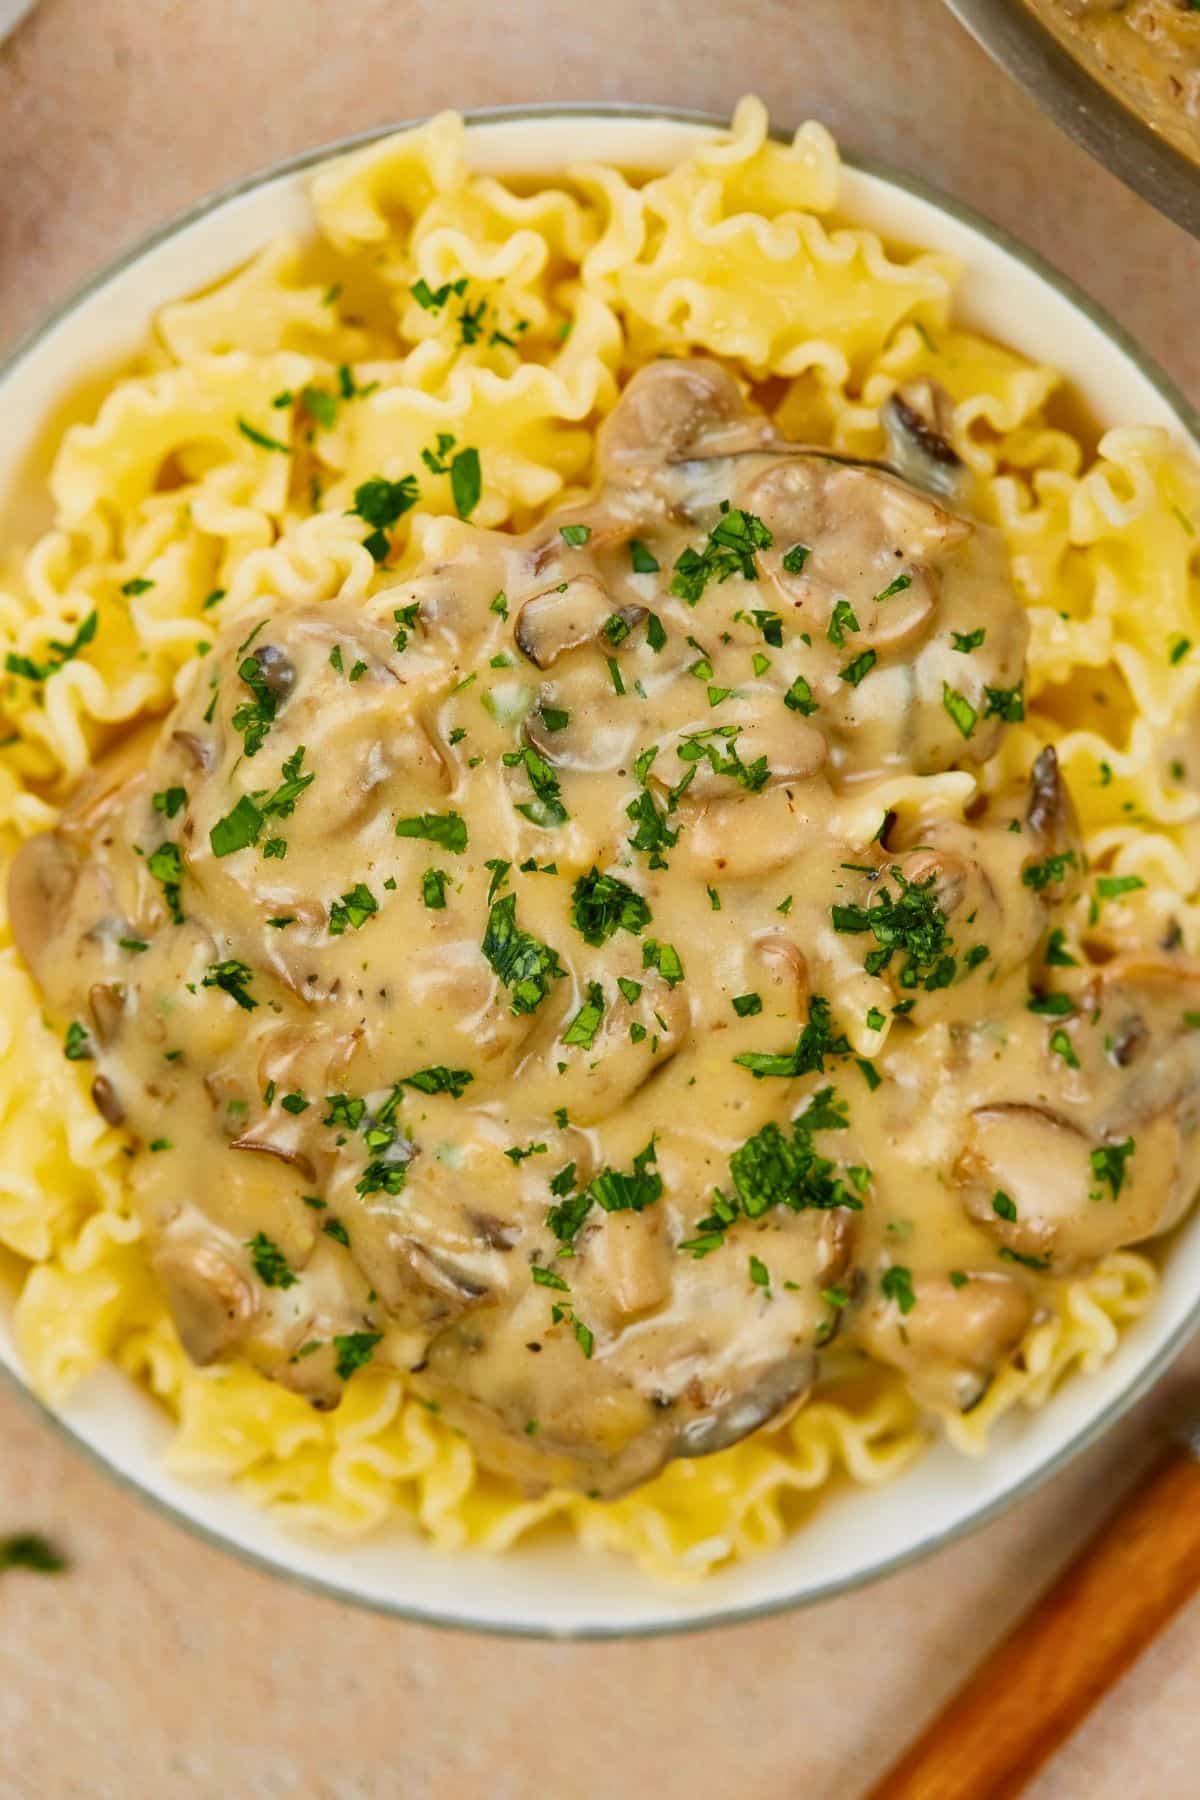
587 978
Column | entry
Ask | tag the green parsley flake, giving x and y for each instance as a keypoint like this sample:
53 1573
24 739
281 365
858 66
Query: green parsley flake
445 829
730 550
582 1030
270 1264
525 965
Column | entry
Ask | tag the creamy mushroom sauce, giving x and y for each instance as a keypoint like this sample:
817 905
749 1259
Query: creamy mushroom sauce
527 981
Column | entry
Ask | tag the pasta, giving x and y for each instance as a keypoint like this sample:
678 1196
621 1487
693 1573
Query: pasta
433 301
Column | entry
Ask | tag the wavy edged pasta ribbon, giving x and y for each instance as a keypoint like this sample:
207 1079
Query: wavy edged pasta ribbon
434 310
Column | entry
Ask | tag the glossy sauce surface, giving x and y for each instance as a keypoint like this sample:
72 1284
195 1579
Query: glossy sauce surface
586 977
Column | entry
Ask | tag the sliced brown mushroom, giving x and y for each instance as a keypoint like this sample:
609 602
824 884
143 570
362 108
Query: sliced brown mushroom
599 1079
747 835
1053 828
779 1387
567 616
629 1258
211 1301
717 759
277 1138
1029 1179
42 881
106 1003
916 422
952 1341
786 972
200 752
677 409
107 1101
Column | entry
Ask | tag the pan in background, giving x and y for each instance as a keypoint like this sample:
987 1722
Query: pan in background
1095 109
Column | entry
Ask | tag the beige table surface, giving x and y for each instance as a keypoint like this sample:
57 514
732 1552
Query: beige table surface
157 1667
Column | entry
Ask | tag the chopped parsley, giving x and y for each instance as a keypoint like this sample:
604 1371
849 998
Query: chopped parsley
795 558
64 652
855 671
817 1041
30 1550
799 697
575 535
242 826
254 717
1004 1206
1005 703
1052 869
641 559
447 829
967 641
1111 887
1108 1164
352 910
665 958
353 1350
784 1168
523 963
582 1030
601 905
380 504
910 923
433 889
960 709
77 1046
270 1264
466 482
170 801
746 1006
263 439
546 808
841 620
896 1284
439 1080
730 550
233 978
166 865
652 833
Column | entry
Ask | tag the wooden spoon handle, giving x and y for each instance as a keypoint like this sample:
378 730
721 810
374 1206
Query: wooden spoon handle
1081 1636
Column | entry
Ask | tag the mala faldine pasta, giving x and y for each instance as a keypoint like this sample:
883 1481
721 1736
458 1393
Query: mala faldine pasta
600 805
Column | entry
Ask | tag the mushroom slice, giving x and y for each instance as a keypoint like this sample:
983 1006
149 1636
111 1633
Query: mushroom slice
211 1301
675 409
107 1101
106 1003
786 971
1030 1180
596 733
762 746
42 882
917 421
740 838
629 1259
953 1339
1051 821
567 616
277 1138
600 1078
784 1384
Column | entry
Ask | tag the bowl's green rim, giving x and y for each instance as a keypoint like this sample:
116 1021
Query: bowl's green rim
1188 417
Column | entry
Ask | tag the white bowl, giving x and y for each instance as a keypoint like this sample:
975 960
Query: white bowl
557 1588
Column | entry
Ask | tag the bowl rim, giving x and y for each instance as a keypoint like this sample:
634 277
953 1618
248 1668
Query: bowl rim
1108 127
1087 1434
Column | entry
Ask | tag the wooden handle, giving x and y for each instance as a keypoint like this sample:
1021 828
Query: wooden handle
1079 1639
